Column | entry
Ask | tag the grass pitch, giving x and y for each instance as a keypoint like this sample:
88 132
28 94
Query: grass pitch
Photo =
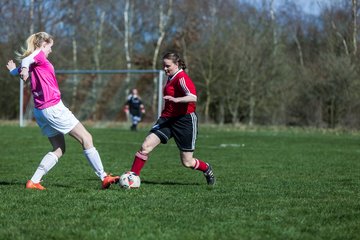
270 185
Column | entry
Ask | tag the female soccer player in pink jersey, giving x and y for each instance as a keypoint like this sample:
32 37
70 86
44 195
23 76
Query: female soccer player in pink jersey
178 119
54 119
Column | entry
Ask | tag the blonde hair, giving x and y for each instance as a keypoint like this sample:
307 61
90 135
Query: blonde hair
34 42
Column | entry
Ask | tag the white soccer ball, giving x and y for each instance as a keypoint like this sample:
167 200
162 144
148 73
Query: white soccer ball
129 180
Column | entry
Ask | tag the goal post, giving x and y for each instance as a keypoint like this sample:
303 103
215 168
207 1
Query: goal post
21 104
112 84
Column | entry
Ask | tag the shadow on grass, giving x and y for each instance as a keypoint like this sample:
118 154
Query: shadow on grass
4 183
9 183
168 183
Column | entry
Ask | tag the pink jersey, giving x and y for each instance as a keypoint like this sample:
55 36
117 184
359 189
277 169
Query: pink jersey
179 85
44 86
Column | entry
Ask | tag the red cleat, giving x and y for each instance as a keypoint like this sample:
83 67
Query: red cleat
108 180
31 185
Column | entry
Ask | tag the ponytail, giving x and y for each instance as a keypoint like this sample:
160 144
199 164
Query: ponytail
176 59
34 42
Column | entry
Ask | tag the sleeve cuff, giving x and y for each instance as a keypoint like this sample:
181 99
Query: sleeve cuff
14 72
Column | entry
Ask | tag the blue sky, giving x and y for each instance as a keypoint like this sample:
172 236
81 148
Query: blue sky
308 6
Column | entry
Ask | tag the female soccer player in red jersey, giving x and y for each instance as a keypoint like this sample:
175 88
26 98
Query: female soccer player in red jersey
54 119
178 119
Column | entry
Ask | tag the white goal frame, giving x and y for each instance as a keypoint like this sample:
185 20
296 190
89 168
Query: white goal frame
159 86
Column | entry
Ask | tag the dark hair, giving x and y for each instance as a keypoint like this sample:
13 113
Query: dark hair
175 58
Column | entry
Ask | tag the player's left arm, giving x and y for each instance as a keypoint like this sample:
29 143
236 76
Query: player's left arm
189 90
185 99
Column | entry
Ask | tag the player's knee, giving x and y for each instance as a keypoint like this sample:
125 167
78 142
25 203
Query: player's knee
151 141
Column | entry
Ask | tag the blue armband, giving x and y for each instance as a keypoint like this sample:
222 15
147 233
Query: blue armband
15 71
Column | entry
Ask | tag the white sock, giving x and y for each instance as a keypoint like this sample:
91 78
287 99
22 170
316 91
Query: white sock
93 157
47 163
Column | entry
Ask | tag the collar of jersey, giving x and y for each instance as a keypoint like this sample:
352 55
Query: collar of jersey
172 77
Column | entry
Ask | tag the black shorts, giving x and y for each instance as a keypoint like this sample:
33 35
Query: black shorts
182 128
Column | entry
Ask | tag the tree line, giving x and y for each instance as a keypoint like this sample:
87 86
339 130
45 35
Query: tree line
252 63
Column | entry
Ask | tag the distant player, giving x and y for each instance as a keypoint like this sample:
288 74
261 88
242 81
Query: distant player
54 119
178 120
134 108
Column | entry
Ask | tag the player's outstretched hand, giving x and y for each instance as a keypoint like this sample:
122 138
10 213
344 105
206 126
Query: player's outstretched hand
11 65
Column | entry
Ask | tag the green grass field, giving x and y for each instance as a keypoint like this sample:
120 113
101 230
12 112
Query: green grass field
285 184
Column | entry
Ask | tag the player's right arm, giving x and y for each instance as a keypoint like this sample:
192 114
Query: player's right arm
12 68
25 64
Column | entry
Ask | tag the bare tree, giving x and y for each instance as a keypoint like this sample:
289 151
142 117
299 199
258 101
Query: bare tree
74 44
97 84
207 71
27 103
343 39
164 19
32 27
354 19
92 101
127 38
273 21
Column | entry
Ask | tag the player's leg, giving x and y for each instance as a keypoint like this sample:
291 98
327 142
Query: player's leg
132 127
141 156
92 155
48 161
189 161
44 120
135 122
185 133
159 133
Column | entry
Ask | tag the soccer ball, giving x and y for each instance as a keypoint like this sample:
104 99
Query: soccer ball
129 180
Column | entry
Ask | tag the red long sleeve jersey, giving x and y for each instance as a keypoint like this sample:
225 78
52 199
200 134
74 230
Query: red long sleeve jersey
179 85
